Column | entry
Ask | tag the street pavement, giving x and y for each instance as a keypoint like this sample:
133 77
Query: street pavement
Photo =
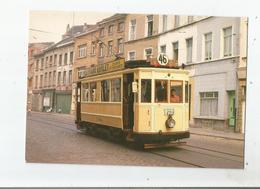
53 138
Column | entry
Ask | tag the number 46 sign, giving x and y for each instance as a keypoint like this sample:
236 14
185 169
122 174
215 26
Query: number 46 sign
162 59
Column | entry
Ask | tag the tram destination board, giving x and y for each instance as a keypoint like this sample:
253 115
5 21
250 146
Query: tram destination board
102 68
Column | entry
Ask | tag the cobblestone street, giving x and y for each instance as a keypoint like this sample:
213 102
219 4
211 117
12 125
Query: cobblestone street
53 138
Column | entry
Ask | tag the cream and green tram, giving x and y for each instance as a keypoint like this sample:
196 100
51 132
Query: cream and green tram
134 101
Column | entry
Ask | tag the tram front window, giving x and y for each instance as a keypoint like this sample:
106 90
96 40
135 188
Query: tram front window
161 91
145 90
176 95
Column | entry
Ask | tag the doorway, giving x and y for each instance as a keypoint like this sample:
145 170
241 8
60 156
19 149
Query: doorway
231 109
128 102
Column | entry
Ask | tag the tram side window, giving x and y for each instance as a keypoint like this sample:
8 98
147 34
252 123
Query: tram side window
161 91
176 92
85 92
105 90
146 90
116 90
93 93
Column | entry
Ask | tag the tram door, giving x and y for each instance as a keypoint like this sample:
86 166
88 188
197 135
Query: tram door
128 101
78 99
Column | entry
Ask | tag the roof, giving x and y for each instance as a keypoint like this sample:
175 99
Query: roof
111 18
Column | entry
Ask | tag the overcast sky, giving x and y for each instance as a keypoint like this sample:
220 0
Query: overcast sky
52 24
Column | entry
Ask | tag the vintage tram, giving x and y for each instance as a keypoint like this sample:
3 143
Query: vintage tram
135 101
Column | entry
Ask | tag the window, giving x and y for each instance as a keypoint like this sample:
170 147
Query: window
93 48
102 32
175 47
93 93
36 82
132 30
110 48
42 62
146 86
208 103
149 25
105 90
45 79
41 80
71 57
148 53
190 19
164 23
50 79
208 46
46 62
227 41
176 91
37 65
116 90
120 43
82 51
176 21
189 50
65 58
70 76
85 92
59 78
131 55
161 91
121 26
55 60
163 49
50 60
110 29
54 78
101 50
64 78
60 60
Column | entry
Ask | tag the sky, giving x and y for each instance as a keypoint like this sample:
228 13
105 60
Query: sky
48 26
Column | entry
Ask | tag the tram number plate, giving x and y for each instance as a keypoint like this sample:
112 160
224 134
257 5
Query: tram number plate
168 111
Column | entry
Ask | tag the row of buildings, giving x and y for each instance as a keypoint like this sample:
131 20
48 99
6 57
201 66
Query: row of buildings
212 48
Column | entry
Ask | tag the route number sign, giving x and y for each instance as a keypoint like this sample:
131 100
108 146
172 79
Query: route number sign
162 59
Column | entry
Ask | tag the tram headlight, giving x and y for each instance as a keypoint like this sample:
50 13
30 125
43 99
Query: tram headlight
170 122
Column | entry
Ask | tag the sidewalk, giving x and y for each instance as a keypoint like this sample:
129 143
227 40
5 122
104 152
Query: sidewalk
214 133
53 113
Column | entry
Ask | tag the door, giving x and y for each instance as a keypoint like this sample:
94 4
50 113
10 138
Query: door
128 102
231 108
63 103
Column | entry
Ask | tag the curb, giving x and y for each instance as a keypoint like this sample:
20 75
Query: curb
51 113
218 136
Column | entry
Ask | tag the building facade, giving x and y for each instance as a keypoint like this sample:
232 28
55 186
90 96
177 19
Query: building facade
141 36
53 74
209 47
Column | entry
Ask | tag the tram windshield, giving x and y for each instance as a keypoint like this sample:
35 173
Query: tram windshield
176 91
161 91
146 90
